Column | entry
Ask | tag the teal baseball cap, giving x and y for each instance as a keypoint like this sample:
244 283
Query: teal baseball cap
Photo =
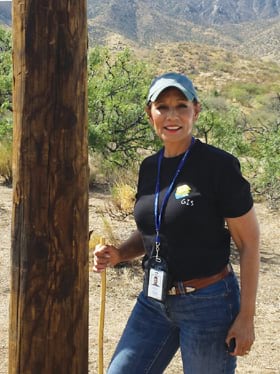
180 81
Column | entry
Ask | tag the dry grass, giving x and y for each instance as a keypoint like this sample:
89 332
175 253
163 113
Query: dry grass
123 197
6 162
124 284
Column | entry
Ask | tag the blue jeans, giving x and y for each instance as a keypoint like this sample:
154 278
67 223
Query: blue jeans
197 322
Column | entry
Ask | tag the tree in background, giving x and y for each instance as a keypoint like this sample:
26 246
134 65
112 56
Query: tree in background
265 155
222 126
117 89
119 130
256 143
6 75
6 123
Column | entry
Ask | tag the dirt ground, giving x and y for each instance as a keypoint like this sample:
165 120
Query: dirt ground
124 284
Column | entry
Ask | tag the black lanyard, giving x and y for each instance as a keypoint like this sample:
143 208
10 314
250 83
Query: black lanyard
159 212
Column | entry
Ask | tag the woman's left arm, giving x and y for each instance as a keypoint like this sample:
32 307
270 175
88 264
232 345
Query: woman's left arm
245 233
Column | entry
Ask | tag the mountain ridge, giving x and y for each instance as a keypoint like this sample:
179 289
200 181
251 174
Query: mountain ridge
6 13
247 27
244 26
203 12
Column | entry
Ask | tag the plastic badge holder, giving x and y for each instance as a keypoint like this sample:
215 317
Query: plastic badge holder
156 279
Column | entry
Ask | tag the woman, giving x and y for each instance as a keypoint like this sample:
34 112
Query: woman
191 200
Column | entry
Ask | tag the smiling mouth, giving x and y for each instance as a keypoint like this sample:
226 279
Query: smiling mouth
172 128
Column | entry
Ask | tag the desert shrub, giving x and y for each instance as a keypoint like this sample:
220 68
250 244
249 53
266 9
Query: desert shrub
6 161
6 125
226 67
265 150
243 92
123 197
6 128
223 127
117 88
5 67
97 171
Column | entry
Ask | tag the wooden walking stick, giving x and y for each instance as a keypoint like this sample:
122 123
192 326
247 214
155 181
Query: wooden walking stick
101 317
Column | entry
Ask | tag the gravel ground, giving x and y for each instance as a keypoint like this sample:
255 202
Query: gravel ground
124 284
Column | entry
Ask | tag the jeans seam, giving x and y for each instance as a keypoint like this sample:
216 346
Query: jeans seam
148 370
230 306
228 289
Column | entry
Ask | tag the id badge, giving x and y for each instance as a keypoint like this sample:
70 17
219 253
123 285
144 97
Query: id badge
155 283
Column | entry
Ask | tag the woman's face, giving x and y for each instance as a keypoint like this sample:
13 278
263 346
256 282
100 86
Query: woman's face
173 116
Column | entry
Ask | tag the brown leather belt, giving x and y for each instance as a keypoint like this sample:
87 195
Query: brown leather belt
183 287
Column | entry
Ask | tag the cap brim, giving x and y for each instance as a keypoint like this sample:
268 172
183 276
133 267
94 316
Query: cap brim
189 96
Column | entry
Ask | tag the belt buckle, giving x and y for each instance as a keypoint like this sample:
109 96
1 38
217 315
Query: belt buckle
172 291
189 289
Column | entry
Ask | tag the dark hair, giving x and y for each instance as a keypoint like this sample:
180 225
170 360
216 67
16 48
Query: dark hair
194 101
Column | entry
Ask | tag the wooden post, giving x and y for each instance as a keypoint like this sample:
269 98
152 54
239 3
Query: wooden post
49 277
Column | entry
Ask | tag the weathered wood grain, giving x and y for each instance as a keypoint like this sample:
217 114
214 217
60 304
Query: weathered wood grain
49 280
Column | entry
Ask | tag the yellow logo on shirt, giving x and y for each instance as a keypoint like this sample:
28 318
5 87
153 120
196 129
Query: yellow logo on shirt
182 191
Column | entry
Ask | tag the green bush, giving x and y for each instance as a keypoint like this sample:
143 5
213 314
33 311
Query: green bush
6 127
5 68
223 126
265 150
243 93
117 88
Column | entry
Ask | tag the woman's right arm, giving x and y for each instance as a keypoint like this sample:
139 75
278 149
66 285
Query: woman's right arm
109 255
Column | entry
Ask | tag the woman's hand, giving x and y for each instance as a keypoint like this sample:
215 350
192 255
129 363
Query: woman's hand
103 256
109 255
242 331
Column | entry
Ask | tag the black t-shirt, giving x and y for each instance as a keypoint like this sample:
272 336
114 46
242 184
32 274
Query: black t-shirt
210 187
